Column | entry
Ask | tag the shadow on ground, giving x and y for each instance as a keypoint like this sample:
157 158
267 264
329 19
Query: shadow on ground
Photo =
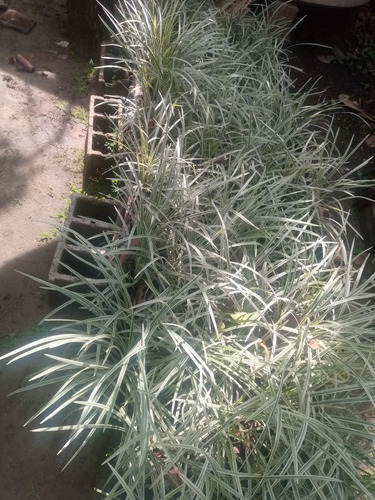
17 314
29 462
37 108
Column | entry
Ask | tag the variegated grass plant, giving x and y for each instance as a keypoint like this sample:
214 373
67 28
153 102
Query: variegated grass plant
230 346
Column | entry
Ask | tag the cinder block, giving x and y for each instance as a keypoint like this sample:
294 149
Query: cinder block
113 78
109 107
89 218
88 208
104 118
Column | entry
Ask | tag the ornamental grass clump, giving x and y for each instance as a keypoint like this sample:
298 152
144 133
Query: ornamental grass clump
229 350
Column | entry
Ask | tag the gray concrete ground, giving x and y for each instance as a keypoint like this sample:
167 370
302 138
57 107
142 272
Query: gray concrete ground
42 138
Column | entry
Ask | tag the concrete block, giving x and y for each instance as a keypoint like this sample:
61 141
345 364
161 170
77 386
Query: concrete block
88 208
104 118
113 78
92 219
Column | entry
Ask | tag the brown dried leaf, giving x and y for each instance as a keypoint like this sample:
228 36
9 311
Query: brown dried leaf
313 344
266 351
173 478
326 59
370 141
235 6
355 107
339 54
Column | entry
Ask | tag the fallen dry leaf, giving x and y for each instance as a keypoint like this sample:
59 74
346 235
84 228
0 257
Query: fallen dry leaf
326 59
355 107
339 54
266 351
370 141
235 6
313 344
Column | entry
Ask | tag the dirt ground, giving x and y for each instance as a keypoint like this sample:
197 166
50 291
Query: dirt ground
41 149
42 138
335 49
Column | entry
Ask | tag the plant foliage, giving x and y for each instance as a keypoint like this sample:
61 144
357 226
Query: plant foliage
229 348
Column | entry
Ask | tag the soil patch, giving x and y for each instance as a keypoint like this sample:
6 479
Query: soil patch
42 139
335 49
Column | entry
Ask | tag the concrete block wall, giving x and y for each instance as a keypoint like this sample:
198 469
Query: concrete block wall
113 78
104 117
89 218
